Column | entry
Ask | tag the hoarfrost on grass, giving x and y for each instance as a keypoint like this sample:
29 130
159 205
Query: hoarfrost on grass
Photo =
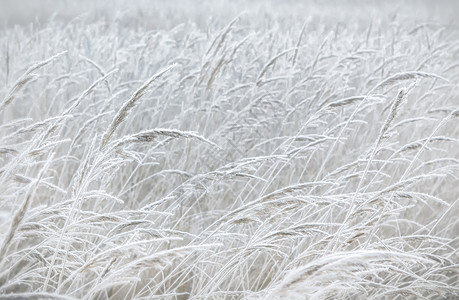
261 154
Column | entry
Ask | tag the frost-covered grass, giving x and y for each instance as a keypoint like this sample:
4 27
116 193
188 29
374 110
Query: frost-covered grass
243 159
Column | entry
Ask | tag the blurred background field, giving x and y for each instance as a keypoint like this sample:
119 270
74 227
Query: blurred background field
164 14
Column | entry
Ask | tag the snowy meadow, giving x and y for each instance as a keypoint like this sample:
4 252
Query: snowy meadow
226 150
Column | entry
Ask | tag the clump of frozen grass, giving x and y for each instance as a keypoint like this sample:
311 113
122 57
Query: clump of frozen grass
264 164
